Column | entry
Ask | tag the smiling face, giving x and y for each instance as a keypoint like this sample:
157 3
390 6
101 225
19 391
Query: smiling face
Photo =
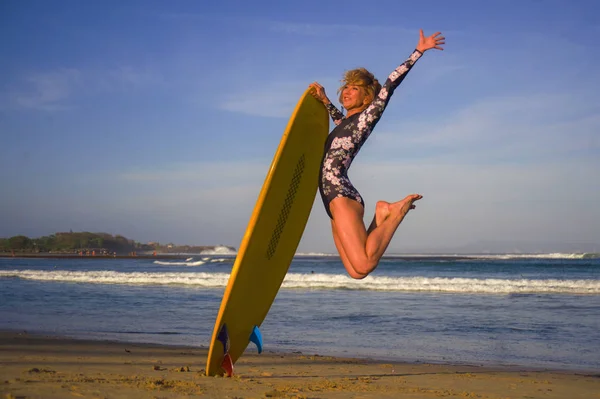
359 88
354 97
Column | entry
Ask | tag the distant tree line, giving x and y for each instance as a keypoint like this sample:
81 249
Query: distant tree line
87 242
72 242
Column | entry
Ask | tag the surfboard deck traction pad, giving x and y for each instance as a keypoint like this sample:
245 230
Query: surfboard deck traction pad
285 210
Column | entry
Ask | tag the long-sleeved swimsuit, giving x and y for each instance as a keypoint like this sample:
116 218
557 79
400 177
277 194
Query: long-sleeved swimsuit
344 142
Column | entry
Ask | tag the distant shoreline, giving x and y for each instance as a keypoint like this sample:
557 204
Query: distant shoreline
76 256
186 256
407 257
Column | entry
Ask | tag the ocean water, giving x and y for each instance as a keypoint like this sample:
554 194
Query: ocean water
540 311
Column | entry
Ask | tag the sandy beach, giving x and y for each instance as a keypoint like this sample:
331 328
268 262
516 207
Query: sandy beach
37 366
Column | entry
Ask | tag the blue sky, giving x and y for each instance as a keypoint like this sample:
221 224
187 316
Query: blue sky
158 120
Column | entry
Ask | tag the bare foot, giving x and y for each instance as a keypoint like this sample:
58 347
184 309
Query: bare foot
401 208
382 211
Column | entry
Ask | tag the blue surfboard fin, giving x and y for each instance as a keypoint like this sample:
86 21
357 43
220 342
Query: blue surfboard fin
256 338
224 338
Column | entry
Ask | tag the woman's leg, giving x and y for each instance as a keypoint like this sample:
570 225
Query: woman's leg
361 251
343 256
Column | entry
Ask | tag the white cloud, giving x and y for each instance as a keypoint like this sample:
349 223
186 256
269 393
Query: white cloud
502 128
134 77
287 27
47 91
274 100
58 89
217 173
337 30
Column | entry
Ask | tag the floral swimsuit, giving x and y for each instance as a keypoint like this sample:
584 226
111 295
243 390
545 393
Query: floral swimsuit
349 135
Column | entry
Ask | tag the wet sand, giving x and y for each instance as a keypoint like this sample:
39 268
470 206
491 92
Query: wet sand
37 366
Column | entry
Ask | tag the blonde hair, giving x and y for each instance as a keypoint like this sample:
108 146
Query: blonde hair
362 78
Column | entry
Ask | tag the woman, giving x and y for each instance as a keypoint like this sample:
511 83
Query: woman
364 100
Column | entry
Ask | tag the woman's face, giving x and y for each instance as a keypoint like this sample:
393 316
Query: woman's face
353 97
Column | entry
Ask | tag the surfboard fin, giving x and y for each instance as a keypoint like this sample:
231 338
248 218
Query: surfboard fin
227 363
256 338
224 338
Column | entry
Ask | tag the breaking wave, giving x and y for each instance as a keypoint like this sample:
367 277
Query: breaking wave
322 281
314 254
219 250
187 263
556 255
191 262
552 255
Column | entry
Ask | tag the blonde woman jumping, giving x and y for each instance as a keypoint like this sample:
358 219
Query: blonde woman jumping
364 100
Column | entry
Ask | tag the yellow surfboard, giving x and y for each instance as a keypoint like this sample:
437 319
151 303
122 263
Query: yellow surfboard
272 235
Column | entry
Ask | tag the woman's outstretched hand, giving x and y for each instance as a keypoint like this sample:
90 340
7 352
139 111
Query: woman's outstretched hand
427 43
318 92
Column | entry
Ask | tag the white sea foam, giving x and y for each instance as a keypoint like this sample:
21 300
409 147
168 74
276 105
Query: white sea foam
314 254
443 284
556 255
220 260
322 281
220 250
112 277
187 263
